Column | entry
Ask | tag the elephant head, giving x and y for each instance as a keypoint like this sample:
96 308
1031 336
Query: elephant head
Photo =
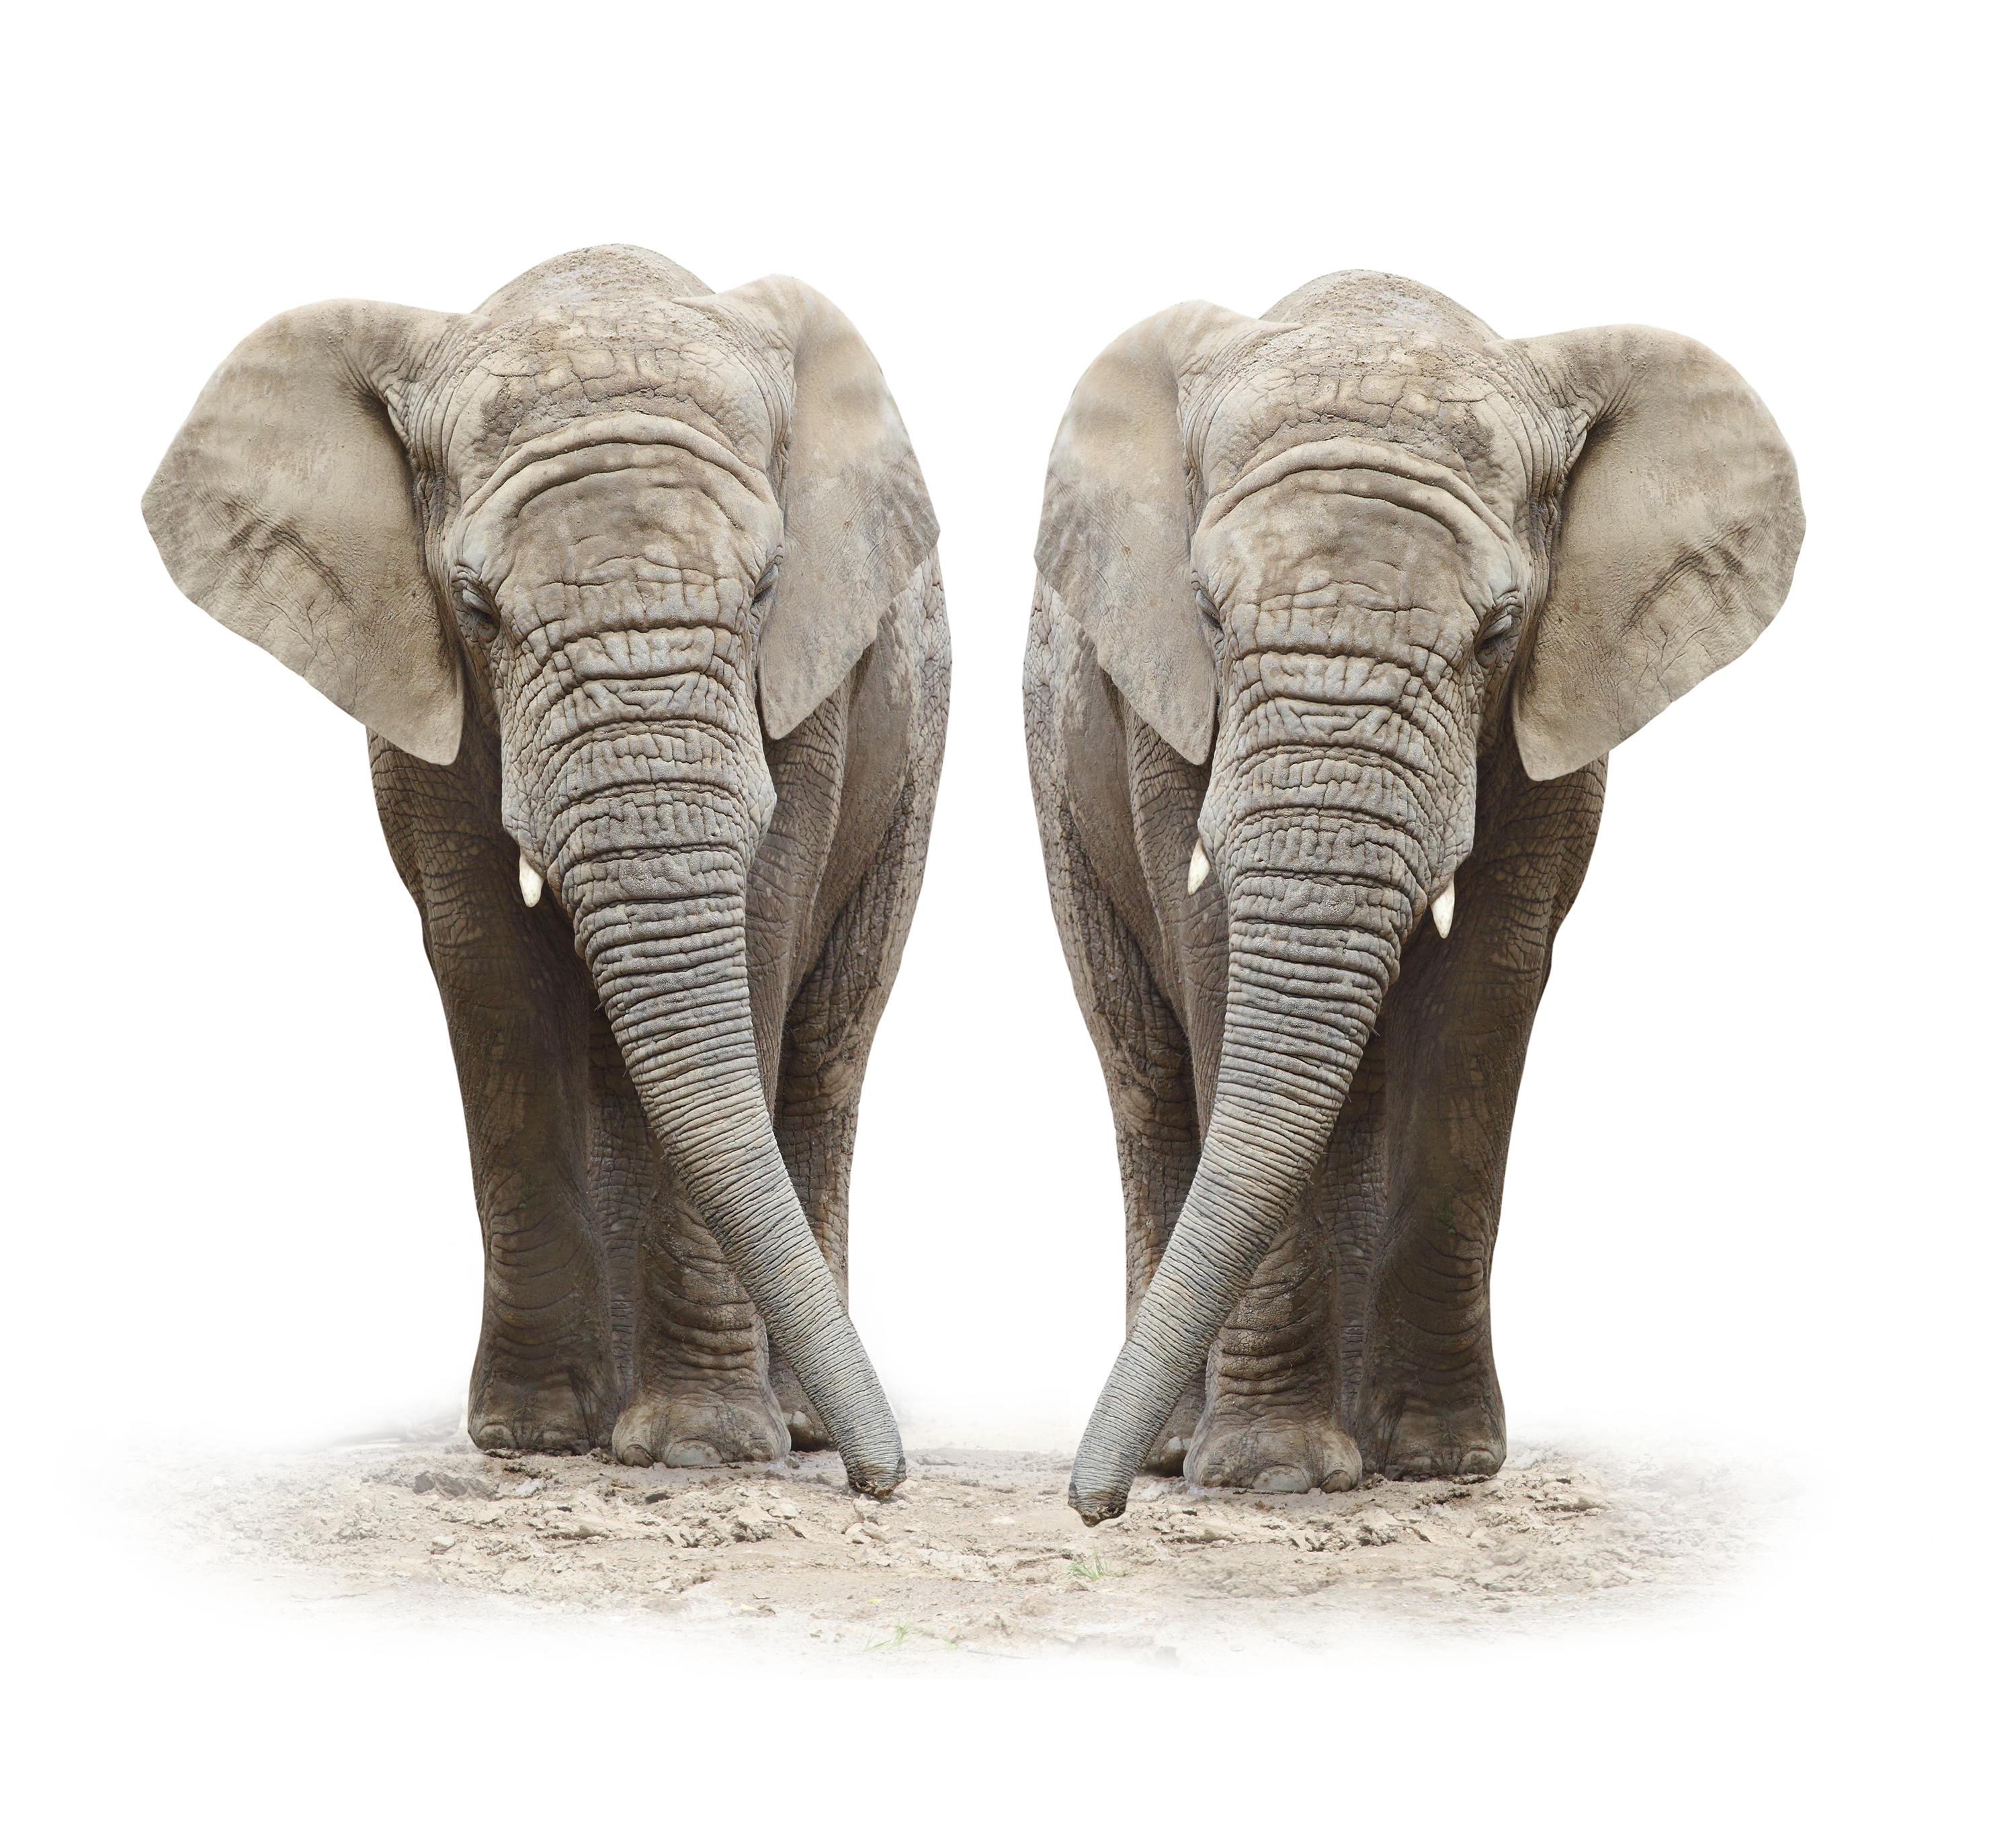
630 528
1329 555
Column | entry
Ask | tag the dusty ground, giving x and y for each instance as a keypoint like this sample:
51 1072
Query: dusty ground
977 1554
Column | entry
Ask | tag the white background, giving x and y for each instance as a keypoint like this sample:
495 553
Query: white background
1750 1206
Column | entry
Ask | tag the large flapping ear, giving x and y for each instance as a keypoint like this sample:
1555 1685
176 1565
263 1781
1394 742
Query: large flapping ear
1680 529
858 522
285 508
1114 548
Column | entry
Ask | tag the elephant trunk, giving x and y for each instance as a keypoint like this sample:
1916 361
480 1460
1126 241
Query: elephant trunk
1310 961
658 895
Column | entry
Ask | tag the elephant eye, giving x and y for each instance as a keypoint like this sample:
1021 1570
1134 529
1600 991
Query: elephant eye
479 613
1491 637
1205 606
764 585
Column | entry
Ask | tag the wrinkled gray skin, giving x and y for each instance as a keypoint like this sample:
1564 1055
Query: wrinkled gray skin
1346 606
637 583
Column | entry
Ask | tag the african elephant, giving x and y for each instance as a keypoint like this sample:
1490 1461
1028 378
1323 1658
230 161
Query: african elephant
1338 613
635 586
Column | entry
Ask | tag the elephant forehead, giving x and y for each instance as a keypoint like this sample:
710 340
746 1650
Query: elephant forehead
1472 410
612 507
670 518
527 377
1309 542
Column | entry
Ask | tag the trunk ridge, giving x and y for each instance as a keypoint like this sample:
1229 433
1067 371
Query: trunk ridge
663 929
1300 1005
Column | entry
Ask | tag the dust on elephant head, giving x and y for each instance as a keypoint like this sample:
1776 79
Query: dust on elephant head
1326 553
635 527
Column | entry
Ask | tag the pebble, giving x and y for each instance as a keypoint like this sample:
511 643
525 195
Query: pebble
574 1528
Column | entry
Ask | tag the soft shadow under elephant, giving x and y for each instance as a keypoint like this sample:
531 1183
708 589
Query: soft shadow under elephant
1338 613
634 585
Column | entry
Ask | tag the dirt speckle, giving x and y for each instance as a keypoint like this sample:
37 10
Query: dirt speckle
977 1552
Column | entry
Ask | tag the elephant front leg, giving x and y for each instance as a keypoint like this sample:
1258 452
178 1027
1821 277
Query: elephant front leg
1283 1367
1276 1415
1158 1153
701 1393
545 1379
816 1115
1144 1056
830 1026
691 1343
1146 1062
1428 1403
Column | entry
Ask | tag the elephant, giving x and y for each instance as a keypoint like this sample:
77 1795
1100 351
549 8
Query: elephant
633 585
1338 613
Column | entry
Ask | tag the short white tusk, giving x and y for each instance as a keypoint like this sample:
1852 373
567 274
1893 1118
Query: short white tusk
1199 867
530 883
1443 907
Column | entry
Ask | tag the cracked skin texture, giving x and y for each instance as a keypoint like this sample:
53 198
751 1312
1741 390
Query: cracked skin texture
636 580
1350 602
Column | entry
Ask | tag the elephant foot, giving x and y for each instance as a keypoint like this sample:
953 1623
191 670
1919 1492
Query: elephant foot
701 1427
808 1432
1412 1437
561 1412
1242 1449
1164 1459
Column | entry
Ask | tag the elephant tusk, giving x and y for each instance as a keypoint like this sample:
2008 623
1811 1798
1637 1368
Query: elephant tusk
1199 867
530 883
1443 907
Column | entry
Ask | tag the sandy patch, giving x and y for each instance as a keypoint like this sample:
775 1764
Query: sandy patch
976 1554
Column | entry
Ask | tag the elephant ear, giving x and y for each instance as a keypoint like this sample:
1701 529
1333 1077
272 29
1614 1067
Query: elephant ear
857 521
1114 547
1679 528
285 508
